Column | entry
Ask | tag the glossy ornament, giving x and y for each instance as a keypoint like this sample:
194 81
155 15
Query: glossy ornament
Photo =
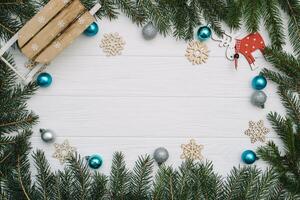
149 31
259 99
204 33
259 82
249 157
91 30
44 79
95 161
161 155
47 135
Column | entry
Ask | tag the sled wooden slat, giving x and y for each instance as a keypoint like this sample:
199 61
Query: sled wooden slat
53 29
66 38
34 25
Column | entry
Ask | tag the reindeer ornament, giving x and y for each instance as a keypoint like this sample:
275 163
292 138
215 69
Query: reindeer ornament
245 46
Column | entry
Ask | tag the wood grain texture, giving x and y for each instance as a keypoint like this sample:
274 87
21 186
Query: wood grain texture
150 96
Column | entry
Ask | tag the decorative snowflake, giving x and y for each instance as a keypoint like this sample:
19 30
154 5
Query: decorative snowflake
112 44
63 151
65 1
191 150
61 23
81 20
34 47
57 45
41 19
197 52
257 131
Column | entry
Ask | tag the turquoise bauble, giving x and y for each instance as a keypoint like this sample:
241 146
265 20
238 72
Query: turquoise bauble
92 29
249 157
259 82
204 33
95 161
44 79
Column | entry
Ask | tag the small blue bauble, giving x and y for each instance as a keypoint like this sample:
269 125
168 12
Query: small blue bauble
92 29
249 157
259 82
44 79
203 33
95 161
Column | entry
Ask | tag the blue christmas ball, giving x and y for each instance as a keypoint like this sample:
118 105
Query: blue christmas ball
203 33
95 161
249 157
92 29
44 79
259 82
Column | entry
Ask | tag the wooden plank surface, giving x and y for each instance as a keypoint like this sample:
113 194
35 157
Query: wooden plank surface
149 96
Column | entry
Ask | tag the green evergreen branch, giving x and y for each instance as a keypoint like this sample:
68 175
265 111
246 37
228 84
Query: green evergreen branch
119 177
45 178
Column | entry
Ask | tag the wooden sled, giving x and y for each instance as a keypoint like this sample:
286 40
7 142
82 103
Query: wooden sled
50 31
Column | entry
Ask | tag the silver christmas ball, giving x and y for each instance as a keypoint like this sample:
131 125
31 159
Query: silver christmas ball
160 155
149 31
47 135
259 99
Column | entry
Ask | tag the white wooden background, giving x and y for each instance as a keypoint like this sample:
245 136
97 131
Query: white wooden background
148 97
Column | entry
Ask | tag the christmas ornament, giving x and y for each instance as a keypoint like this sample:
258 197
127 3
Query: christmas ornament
47 135
44 79
63 151
94 161
112 44
257 131
245 46
249 157
259 82
204 33
92 29
259 98
191 150
161 155
149 31
49 32
197 52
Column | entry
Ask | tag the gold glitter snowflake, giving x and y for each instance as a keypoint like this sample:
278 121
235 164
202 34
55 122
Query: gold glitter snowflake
257 131
197 52
191 150
112 44
63 151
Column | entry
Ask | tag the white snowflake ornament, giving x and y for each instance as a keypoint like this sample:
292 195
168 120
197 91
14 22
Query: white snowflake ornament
192 150
112 44
257 131
34 47
61 24
197 52
41 19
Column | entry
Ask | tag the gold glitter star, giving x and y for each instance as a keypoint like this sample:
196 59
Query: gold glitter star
63 151
191 150
257 131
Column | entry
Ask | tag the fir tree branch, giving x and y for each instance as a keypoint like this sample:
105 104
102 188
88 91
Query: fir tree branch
119 177
20 178
45 178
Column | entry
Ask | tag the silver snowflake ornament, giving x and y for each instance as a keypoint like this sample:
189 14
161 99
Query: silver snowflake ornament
63 151
257 131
